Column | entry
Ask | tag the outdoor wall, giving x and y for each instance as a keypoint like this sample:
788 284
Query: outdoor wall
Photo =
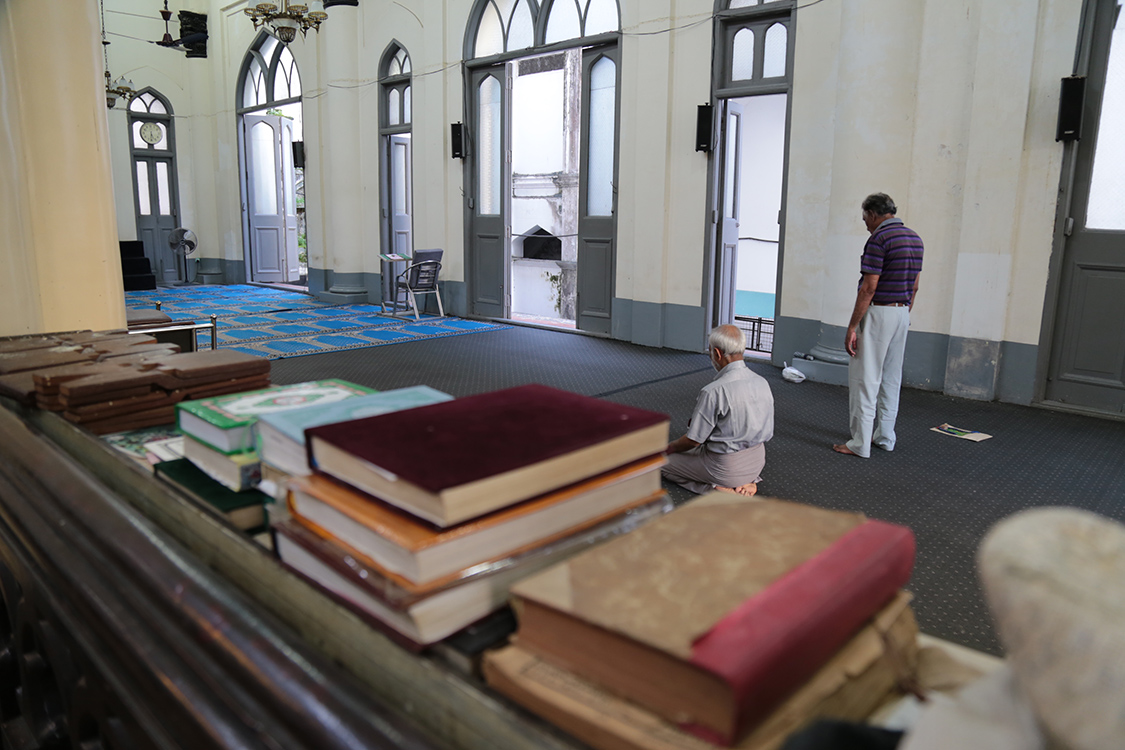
949 108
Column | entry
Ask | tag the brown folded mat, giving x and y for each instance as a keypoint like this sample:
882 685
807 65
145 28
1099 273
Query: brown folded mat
121 407
27 344
149 317
33 360
84 337
103 386
48 380
212 364
49 403
223 387
149 418
22 386
150 350
144 360
116 394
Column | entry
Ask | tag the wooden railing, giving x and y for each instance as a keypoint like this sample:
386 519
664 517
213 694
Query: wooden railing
132 618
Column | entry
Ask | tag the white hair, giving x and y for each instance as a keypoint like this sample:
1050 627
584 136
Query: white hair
728 340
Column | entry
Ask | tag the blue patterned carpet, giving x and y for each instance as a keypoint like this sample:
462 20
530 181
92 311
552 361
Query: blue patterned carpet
273 323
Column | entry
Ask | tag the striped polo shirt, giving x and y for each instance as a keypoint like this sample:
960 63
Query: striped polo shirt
894 253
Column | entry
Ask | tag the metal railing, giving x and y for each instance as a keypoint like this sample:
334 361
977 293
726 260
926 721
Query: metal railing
759 333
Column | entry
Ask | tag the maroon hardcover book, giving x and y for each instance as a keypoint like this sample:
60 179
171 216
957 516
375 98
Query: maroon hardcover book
712 615
456 460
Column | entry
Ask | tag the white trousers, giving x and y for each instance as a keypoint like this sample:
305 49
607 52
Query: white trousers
875 377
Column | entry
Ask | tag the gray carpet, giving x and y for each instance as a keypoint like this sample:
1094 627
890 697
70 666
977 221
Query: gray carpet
948 491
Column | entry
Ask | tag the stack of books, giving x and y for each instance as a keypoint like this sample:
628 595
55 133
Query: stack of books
731 620
281 434
220 433
422 519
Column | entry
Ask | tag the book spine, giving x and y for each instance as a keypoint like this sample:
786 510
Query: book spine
770 644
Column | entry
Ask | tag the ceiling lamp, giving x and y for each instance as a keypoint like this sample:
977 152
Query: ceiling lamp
119 88
284 18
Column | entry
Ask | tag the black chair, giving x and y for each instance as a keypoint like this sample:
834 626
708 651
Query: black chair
420 277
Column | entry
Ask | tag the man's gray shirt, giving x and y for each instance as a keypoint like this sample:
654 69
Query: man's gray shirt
734 411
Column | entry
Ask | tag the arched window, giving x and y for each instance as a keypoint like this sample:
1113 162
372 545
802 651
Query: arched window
396 153
571 19
155 186
753 44
505 26
270 80
394 72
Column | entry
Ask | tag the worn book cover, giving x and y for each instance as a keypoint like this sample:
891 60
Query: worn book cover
244 510
855 681
226 422
459 459
712 615
420 552
237 471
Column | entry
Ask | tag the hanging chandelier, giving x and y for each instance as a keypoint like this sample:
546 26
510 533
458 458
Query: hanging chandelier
120 88
284 18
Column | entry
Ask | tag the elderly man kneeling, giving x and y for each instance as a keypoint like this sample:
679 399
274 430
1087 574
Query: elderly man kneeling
724 446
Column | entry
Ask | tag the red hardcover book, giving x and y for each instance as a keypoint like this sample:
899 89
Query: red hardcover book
714 614
460 459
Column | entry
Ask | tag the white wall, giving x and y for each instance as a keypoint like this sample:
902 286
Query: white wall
948 106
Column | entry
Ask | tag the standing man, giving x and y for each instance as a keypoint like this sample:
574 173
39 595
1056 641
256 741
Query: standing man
876 337
724 447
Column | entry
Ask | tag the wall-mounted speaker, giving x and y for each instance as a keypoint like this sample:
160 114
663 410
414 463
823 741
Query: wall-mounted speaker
299 154
1072 98
704 117
457 140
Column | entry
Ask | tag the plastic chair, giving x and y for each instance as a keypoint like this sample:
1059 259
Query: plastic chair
420 277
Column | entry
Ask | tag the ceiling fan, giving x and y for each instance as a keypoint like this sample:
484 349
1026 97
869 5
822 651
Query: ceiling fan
193 32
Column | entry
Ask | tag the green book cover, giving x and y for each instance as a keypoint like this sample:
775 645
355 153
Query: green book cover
183 474
226 422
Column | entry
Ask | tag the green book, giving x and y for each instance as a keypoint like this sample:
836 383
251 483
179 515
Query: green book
227 423
245 510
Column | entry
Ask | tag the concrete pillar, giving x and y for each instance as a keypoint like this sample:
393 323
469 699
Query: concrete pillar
338 130
60 266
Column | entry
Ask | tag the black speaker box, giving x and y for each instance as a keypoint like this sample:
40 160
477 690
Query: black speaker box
299 154
1072 98
704 117
457 140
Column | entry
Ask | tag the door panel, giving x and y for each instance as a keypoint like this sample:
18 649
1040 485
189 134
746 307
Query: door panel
156 215
730 181
402 202
489 209
1087 365
271 198
597 191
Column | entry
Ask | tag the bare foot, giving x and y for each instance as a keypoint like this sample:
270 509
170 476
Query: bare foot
845 450
746 490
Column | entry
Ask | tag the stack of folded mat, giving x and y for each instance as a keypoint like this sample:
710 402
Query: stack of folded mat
113 381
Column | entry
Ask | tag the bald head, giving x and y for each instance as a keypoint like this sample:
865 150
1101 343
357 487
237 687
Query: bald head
728 339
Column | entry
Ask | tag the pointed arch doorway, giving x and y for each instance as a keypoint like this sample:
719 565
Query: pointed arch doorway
156 195
272 179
